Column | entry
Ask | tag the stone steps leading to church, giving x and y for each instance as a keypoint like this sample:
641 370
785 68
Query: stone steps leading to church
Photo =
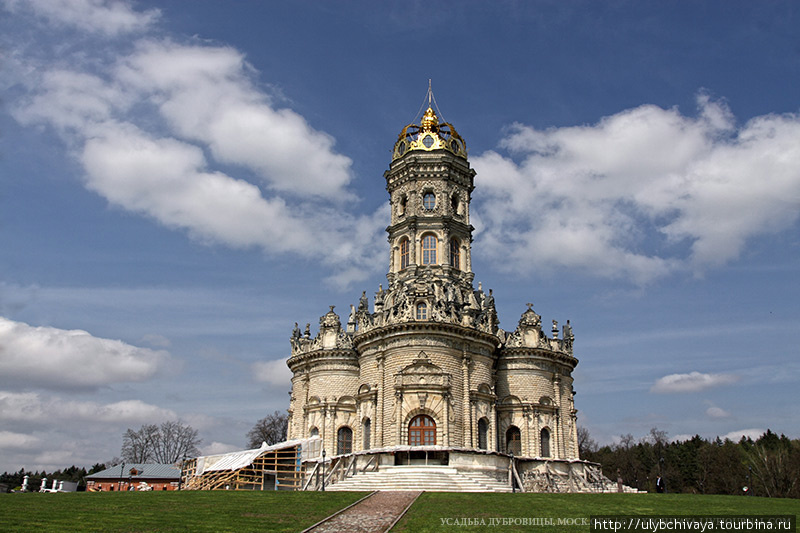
427 478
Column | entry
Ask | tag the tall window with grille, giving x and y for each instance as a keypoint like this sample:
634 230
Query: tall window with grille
422 431
429 243
344 441
455 254
405 257
422 311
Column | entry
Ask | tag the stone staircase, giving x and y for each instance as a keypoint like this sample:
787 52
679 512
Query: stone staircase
427 478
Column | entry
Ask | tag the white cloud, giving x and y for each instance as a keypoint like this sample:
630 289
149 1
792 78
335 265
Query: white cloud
206 96
717 412
216 448
274 372
692 382
70 359
753 433
143 129
11 440
642 193
34 409
106 17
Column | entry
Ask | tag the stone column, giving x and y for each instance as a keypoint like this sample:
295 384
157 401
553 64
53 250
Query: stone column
473 418
558 430
537 429
398 429
414 244
492 444
446 435
379 414
526 413
467 418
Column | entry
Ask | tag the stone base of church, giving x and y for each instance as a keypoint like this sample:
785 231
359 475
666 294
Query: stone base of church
529 474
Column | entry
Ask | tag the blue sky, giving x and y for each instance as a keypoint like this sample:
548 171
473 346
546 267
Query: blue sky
182 181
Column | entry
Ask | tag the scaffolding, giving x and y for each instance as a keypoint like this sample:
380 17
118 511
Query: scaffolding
276 467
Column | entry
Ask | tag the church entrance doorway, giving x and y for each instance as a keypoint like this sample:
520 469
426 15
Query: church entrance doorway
422 431
421 458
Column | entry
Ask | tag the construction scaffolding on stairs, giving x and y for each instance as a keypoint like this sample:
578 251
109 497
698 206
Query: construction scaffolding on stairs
276 467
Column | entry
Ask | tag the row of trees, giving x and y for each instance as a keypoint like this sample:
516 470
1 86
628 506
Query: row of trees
768 466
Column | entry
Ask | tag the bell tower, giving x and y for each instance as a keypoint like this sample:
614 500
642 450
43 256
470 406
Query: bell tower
430 184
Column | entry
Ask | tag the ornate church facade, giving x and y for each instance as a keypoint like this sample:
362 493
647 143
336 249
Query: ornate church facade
426 367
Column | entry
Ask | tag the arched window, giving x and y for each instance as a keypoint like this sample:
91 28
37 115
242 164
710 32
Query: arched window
366 430
455 254
429 243
513 441
483 434
429 201
422 431
405 258
314 432
422 311
344 440
545 440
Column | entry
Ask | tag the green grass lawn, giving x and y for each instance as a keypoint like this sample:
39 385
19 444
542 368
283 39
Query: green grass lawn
430 508
190 511
294 511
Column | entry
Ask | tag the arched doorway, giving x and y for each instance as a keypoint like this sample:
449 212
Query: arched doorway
513 441
483 434
344 440
422 431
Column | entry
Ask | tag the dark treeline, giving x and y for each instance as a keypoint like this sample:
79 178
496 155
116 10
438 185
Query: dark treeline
768 466
73 473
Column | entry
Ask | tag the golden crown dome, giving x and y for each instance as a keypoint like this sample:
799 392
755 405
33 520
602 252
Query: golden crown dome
428 136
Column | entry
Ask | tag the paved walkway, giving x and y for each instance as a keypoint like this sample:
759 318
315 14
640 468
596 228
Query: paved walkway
374 514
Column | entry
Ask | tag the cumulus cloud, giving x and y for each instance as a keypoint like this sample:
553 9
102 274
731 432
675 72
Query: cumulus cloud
752 433
692 382
274 372
11 440
216 448
152 127
717 412
105 17
206 95
34 408
642 193
70 359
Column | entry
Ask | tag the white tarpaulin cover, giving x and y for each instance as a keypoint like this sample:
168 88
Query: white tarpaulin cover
237 460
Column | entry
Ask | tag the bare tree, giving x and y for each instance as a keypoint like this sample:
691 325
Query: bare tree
586 444
165 444
137 446
174 441
270 429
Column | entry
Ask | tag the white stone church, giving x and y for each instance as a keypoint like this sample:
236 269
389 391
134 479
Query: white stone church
423 375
